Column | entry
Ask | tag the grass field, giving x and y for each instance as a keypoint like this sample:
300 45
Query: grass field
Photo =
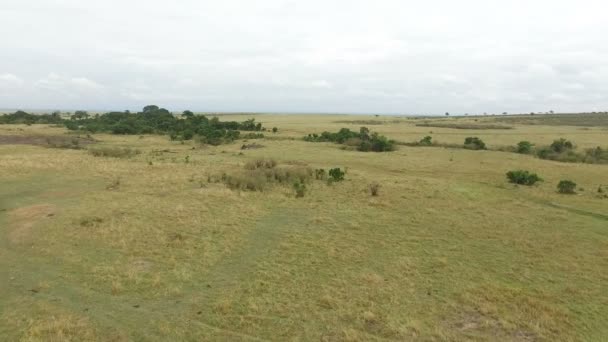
147 249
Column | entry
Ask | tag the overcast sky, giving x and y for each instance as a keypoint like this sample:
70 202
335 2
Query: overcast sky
372 56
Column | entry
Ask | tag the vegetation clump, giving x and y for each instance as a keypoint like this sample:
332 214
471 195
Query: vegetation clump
462 125
320 174
21 117
563 150
259 174
474 143
336 175
155 120
374 189
300 189
566 187
114 152
523 177
363 140
596 155
524 147
426 141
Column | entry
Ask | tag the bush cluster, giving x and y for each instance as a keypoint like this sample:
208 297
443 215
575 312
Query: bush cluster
257 175
523 177
336 174
566 187
474 143
426 141
114 152
563 150
524 147
21 117
155 120
363 140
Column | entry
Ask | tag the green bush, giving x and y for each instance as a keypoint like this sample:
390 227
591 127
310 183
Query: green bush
363 141
524 147
113 152
562 150
561 145
300 189
426 141
474 143
566 187
153 119
336 175
523 177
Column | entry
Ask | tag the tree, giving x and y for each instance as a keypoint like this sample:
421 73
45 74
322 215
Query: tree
188 114
447 114
79 115
150 108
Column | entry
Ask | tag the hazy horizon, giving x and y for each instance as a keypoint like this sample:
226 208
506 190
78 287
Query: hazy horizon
353 57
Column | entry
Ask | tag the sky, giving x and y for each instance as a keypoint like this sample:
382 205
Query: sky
340 56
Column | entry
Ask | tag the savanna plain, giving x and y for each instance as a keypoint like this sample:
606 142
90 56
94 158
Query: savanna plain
429 243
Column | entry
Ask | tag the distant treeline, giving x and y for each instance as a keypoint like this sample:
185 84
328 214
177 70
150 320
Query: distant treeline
151 120
21 117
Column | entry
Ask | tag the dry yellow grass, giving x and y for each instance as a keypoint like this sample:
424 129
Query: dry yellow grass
144 248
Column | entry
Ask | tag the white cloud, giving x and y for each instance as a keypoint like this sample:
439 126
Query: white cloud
10 80
275 55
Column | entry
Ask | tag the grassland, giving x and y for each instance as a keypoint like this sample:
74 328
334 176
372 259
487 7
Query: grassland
144 248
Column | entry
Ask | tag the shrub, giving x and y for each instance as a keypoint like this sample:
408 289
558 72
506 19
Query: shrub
252 136
260 174
563 150
336 175
114 152
374 189
320 174
362 140
274 129
524 147
260 164
474 143
426 141
523 177
252 181
566 187
561 145
596 155
300 189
